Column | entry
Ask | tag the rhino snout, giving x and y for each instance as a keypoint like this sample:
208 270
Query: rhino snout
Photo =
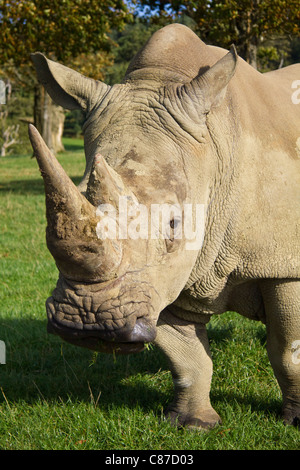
104 317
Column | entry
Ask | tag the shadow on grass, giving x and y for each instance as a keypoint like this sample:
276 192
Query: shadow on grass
30 187
40 366
257 404
76 145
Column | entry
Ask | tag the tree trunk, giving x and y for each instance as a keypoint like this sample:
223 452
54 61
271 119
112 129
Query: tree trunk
251 54
48 119
42 114
58 120
253 39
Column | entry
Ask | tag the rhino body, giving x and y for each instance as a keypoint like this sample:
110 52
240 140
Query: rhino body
190 124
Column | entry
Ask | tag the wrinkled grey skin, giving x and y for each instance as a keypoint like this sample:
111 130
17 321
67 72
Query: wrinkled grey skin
190 124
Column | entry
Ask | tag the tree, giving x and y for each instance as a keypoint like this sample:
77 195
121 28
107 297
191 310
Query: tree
9 133
64 31
246 23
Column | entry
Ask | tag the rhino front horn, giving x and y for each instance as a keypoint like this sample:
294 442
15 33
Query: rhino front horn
72 222
61 193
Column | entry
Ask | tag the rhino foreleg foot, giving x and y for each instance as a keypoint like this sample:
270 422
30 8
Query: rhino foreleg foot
281 301
208 420
186 347
291 414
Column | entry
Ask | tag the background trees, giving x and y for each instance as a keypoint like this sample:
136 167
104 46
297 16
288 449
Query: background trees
246 23
99 38
74 32
128 42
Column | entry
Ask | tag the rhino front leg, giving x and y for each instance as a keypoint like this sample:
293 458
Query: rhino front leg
282 302
186 346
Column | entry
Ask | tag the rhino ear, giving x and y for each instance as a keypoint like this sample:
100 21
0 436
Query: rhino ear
210 86
67 88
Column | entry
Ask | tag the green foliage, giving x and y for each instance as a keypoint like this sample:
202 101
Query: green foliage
246 23
62 29
295 50
73 123
74 32
128 42
56 396
278 52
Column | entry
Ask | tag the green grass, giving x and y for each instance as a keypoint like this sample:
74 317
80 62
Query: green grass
56 396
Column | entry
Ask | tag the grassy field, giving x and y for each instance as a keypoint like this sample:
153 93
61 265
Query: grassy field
57 396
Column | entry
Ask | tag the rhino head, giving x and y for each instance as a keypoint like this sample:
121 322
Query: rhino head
140 138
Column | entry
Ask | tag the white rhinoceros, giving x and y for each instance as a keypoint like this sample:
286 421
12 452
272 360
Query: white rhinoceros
191 127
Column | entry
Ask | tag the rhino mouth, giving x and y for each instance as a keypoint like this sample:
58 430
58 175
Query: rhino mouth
105 317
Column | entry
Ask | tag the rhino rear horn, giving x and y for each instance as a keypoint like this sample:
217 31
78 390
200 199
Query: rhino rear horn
105 185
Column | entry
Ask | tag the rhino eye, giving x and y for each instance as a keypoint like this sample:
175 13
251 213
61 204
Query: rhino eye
174 223
173 235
